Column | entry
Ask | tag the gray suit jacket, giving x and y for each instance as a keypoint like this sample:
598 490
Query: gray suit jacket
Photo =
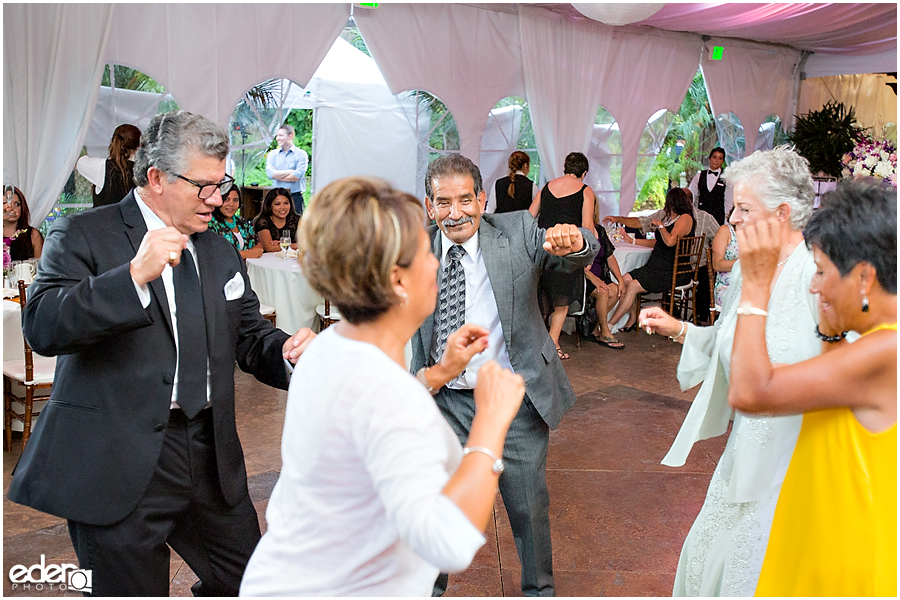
512 248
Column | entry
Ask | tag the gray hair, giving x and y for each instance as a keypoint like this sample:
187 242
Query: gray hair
778 176
171 137
451 164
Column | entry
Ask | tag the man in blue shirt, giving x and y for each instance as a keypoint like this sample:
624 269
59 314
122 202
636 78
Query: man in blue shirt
287 165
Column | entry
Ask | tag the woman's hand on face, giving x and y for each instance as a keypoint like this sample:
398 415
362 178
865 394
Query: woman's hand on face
759 245
656 320
498 394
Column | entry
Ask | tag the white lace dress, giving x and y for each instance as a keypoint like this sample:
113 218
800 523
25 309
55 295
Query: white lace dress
724 550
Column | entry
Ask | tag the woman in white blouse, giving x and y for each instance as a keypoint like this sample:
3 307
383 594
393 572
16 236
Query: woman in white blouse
376 496
724 550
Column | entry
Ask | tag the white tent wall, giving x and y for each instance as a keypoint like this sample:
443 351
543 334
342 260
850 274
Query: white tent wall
875 102
753 81
52 68
466 56
208 55
824 65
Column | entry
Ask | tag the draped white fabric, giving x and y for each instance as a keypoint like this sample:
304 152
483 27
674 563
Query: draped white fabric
571 68
753 81
209 55
52 67
562 81
466 56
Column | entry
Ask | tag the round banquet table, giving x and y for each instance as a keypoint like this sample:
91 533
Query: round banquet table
280 283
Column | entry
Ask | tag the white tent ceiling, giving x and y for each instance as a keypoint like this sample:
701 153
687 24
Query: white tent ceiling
470 56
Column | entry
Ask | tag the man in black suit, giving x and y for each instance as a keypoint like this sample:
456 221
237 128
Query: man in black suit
147 312
498 259
711 192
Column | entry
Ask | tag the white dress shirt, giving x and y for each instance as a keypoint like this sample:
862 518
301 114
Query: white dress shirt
481 309
153 223
711 179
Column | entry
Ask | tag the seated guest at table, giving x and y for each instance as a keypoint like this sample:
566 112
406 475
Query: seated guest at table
23 240
835 526
276 214
706 225
724 255
113 177
656 275
606 292
723 552
564 200
234 228
515 191
376 496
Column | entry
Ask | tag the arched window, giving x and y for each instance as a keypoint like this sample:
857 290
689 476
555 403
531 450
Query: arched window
605 158
771 133
731 136
508 128
651 183
434 126
126 96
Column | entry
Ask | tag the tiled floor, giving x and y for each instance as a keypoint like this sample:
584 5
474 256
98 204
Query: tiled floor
618 516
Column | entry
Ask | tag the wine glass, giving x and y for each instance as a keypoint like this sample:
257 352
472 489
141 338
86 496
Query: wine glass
285 242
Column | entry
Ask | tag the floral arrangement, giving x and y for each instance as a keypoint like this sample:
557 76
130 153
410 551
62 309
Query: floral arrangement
7 259
871 158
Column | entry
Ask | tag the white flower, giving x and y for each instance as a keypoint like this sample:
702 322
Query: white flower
871 160
883 170
884 155
845 172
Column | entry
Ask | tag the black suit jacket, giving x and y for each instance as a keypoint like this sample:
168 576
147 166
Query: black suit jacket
97 442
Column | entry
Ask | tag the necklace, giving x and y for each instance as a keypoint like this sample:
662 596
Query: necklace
230 224
781 264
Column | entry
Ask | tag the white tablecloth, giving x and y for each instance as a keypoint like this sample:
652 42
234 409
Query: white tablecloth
280 283
13 346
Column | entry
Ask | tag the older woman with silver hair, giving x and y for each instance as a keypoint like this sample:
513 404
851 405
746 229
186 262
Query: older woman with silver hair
724 550
376 496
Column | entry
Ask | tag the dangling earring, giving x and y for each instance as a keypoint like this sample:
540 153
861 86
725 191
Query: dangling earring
865 306
404 299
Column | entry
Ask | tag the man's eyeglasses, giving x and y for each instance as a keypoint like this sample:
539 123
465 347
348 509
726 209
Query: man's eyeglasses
208 189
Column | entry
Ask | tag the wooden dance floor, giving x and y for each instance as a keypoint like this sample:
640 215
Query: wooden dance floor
618 516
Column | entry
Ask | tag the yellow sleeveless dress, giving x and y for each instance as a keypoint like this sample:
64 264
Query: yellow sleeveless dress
835 526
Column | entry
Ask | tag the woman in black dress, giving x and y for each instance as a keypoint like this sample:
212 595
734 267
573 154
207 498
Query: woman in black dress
276 214
22 240
515 191
565 199
656 276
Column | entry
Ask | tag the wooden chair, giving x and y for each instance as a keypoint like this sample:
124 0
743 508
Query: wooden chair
714 309
327 315
577 313
268 313
683 297
34 372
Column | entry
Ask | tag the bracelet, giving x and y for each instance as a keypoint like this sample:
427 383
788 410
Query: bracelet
831 339
748 309
420 375
498 466
680 333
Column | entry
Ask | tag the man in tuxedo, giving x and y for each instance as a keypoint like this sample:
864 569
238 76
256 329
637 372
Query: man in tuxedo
710 191
147 312
489 277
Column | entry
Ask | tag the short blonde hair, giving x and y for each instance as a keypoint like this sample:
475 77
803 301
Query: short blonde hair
351 235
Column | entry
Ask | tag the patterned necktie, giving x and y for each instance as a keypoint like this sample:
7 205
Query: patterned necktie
452 299
192 352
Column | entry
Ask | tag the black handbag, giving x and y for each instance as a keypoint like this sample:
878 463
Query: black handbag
587 321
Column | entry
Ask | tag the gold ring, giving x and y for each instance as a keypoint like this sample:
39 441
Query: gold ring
173 256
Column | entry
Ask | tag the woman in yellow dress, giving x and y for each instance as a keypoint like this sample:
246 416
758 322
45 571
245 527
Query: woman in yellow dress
835 526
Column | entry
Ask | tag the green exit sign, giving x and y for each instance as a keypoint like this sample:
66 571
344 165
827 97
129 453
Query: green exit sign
717 53
367 4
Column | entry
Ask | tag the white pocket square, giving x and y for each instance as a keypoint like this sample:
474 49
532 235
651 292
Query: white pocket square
234 289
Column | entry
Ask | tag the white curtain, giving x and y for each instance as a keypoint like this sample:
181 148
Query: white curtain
209 55
466 56
562 80
52 68
752 81
500 138
572 67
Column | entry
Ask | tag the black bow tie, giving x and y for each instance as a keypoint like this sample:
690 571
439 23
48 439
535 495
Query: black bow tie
716 172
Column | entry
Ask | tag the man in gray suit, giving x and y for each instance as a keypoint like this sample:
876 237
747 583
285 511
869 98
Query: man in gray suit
500 257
